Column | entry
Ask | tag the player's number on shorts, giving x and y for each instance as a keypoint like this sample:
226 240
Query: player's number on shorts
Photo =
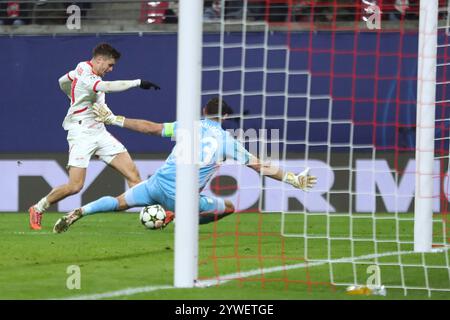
210 146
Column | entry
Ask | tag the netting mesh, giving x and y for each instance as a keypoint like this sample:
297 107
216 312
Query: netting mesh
321 86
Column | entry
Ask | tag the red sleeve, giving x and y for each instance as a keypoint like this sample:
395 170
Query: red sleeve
95 85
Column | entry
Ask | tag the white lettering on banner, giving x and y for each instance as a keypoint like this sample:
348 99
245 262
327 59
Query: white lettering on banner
52 173
9 186
277 193
11 170
396 197
249 185
445 188
374 178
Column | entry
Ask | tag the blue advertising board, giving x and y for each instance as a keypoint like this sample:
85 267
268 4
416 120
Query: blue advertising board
294 82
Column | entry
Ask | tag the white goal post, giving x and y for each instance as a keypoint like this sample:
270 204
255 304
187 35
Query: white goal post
343 104
425 131
190 28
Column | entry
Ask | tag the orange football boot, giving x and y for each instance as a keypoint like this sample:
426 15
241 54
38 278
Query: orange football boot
169 217
35 218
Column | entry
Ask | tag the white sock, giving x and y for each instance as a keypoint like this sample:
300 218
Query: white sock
42 205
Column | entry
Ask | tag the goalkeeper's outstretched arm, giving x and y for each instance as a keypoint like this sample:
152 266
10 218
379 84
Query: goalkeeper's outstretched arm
303 180
143 126
105 115
265 168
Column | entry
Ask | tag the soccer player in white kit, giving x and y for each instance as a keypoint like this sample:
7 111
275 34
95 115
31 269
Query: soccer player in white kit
87 137
215 146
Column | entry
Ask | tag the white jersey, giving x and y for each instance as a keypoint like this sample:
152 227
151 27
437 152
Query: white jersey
83 95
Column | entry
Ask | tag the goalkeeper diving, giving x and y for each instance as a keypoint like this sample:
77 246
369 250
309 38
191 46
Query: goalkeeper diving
216 146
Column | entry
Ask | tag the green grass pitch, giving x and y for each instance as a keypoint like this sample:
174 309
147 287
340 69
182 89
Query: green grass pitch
114 252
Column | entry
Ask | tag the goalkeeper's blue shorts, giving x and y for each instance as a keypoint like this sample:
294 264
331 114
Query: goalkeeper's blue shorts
149 192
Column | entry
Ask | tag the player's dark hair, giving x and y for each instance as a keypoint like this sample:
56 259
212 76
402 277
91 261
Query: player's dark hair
212 108
105 49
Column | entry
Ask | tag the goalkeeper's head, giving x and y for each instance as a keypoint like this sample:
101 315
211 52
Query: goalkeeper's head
217 109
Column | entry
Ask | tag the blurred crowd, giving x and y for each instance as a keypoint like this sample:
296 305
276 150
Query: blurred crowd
312 10
37 11
300 10
54 12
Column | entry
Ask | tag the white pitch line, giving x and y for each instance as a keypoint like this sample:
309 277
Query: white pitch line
46 233
239 275
246 274
119 293
28 233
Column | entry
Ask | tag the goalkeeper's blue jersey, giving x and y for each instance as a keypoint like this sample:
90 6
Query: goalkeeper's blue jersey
216 145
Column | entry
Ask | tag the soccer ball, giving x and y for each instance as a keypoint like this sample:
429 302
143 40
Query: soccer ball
152 217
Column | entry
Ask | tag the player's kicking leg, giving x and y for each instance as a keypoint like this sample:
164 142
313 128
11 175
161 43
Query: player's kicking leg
75 184
112 152
123 163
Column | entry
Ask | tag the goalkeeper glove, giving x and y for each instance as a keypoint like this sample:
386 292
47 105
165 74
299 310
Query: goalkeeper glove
148 85
105 115
303 180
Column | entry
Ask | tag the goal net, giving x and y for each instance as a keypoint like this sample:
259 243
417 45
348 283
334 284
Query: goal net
329 85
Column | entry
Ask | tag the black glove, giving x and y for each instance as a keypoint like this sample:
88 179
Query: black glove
148 85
